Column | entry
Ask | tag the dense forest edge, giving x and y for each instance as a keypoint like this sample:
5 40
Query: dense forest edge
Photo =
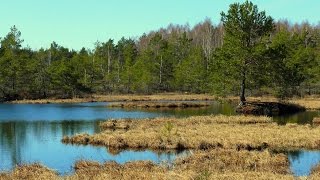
248 52
247 57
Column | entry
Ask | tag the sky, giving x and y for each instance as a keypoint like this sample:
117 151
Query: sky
80 23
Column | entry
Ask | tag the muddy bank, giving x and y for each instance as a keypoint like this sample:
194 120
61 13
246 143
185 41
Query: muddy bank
269 108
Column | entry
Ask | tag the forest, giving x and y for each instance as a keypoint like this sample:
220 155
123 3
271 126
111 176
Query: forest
284 61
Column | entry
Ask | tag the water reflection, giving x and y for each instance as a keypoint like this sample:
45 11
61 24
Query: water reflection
65 112
23 142
299 118
301 162
32 133
40 142
215 108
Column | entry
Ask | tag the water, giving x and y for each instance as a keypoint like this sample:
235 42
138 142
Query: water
65 112
215 108
299 118
301 162
32 132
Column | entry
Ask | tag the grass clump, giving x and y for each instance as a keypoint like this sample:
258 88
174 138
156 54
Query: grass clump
214 164
224 161
117 98
117 125
316 120
208 132
32 171
218 119
310 103
315 173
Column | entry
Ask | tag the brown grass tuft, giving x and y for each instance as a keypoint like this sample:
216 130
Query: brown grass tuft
116 98
315 173
316 120
216 164
32 171
219 119
207 132
310 103
222 161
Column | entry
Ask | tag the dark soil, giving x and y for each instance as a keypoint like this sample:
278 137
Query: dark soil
269 108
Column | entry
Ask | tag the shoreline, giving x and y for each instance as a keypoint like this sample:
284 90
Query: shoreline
215 164
241 159
310 103
201 133
223 147
122 98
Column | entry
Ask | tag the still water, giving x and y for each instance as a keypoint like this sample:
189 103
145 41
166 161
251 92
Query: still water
301 162
32 132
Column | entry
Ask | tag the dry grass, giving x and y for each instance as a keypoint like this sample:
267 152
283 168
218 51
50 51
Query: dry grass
33 171
315 173
202 164
130 98
219 119
310 103
316 120
159 104
208 132
216 164
224 161
254 99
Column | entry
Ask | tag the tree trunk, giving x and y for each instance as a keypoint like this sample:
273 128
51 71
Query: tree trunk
243 89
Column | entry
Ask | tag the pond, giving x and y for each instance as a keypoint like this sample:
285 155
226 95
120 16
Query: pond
32 132
301 162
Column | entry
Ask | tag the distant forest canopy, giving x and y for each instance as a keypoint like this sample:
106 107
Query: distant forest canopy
173 59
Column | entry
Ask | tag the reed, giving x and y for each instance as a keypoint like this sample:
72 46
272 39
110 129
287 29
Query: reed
316 121
128 98
213 119
30 172
309 102
215 164
208 132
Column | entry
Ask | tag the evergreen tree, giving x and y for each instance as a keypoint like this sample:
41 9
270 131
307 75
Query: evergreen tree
245 28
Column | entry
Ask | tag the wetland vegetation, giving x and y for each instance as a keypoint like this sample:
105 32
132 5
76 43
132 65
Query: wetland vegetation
140 95
250 156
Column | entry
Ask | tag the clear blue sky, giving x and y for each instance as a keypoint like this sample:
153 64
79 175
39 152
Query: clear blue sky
78 23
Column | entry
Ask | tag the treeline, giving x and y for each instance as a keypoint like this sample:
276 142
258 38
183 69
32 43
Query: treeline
173 59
